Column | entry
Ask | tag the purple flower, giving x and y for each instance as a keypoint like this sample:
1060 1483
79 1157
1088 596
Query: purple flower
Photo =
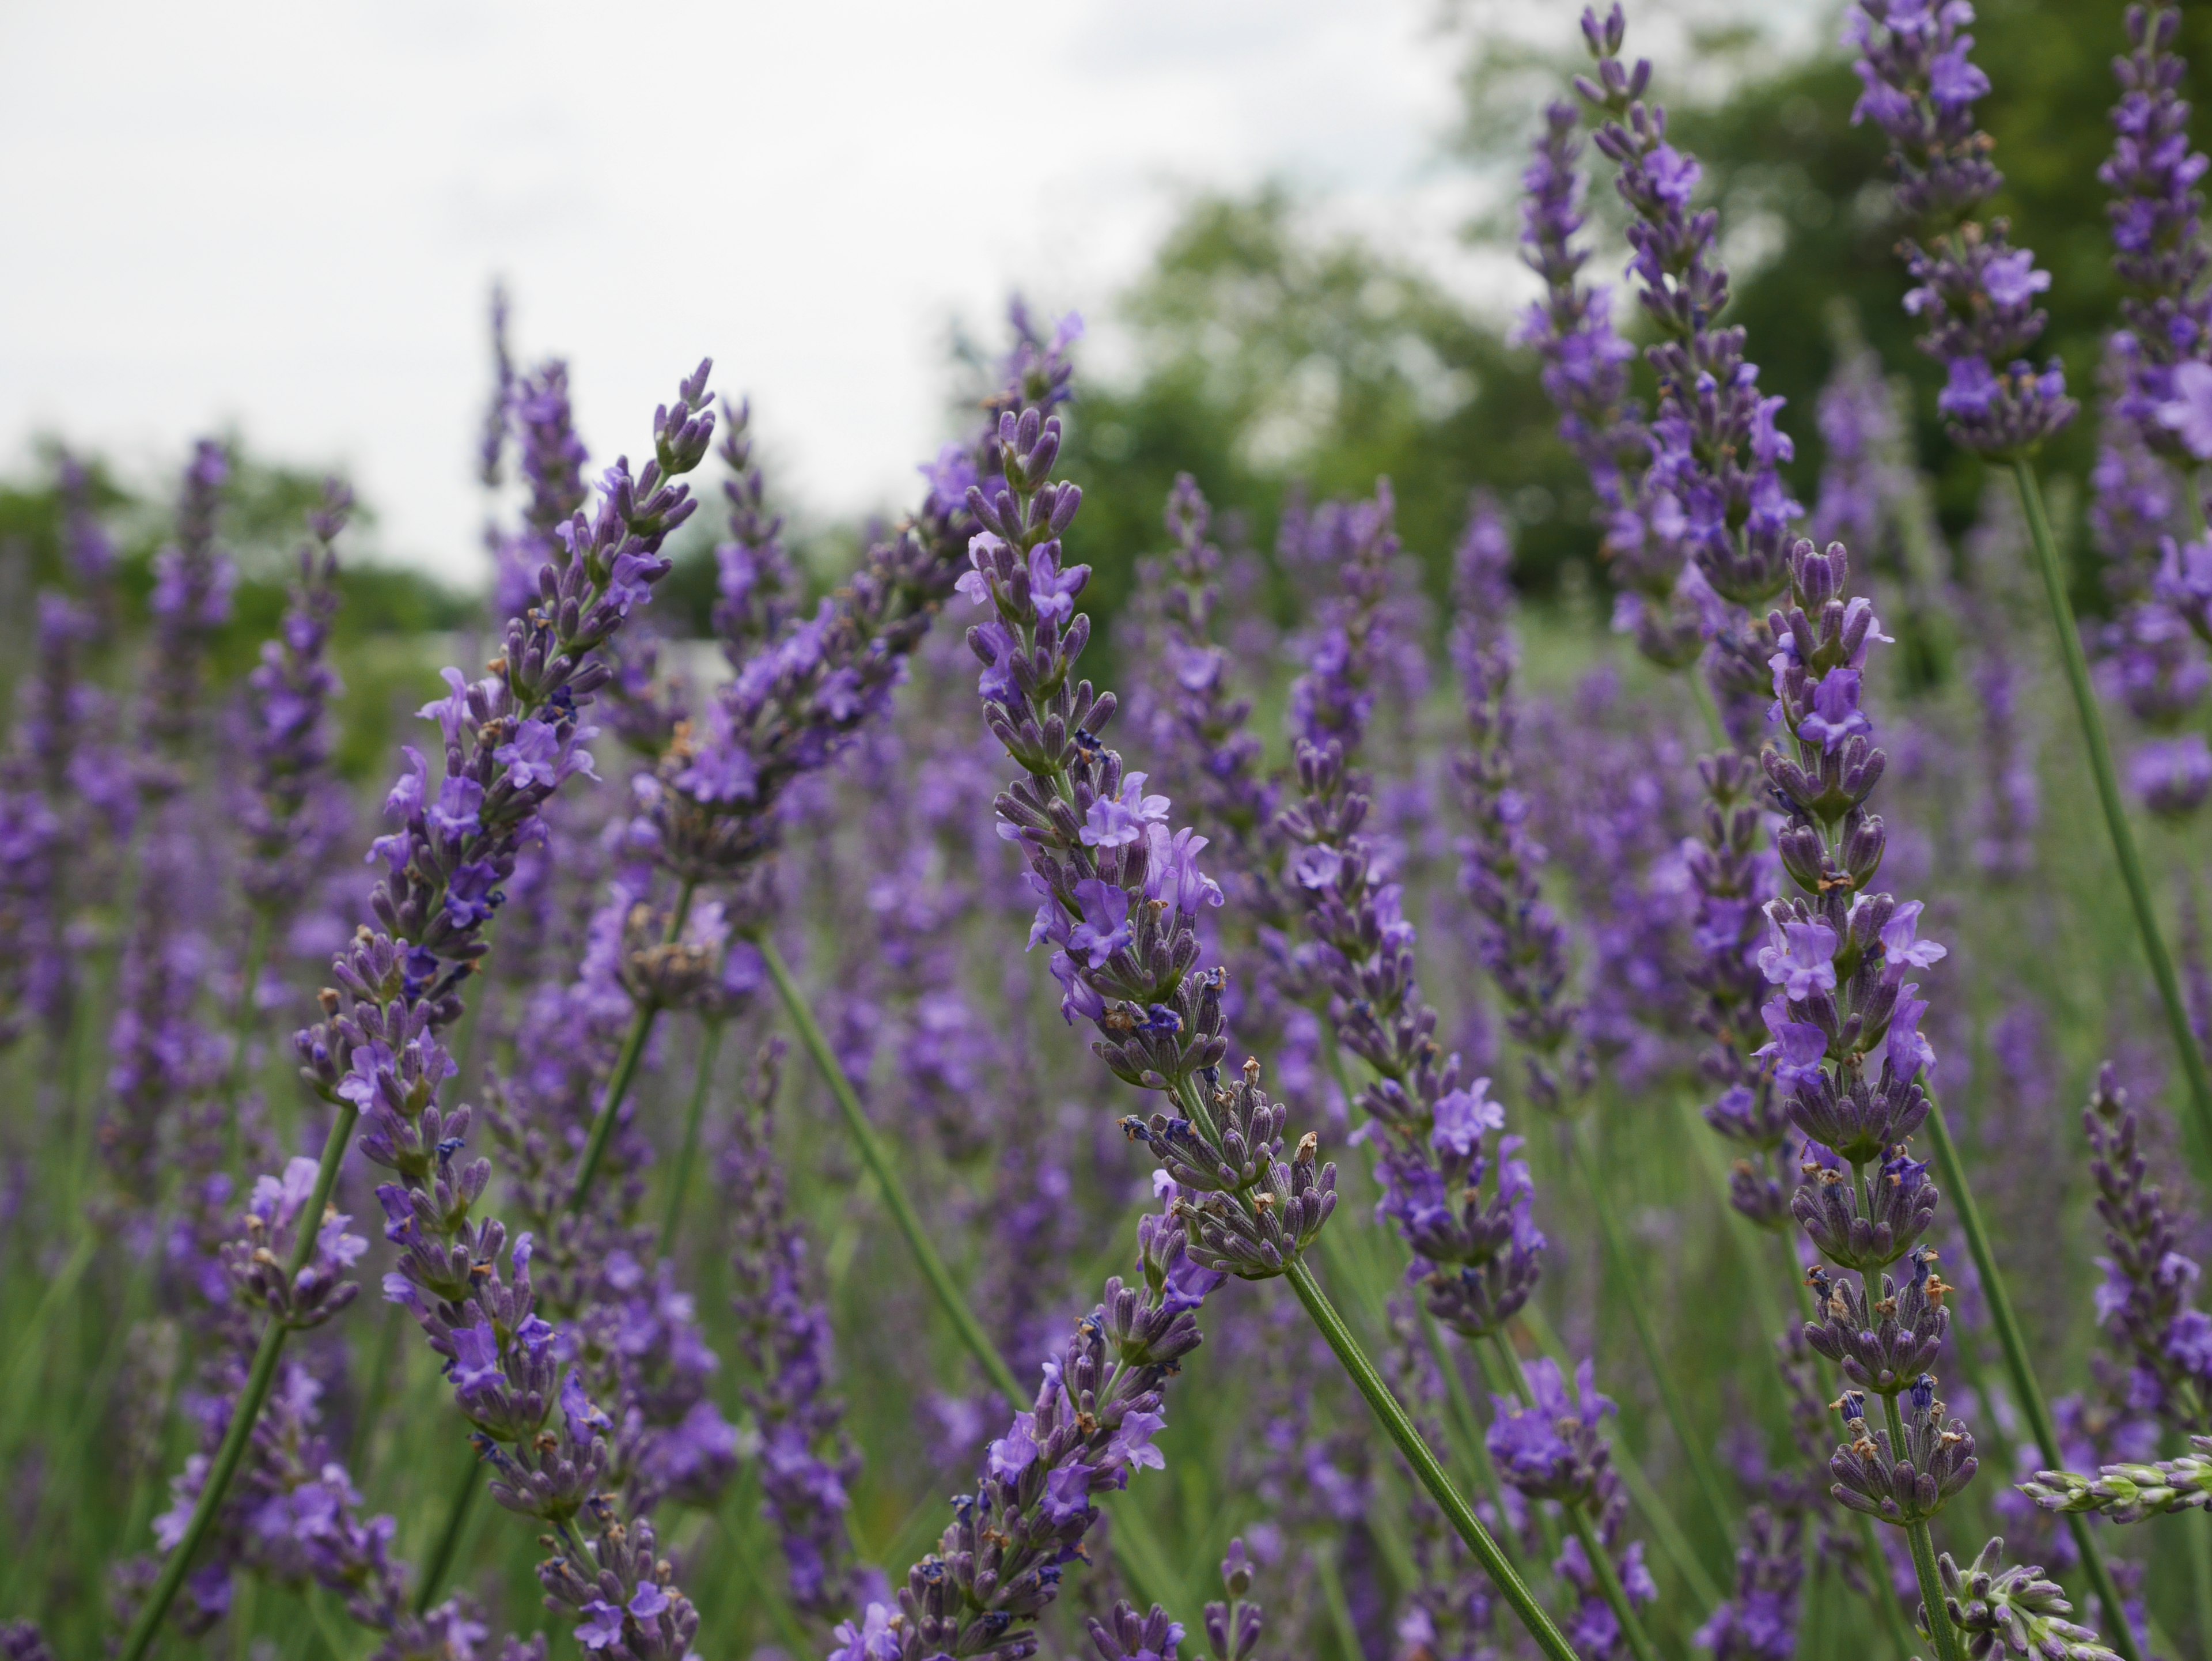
1797 1047
1463 1117
1802 960
1104 929
1117 821
1015 1451
2173 775
1899 938
1836 714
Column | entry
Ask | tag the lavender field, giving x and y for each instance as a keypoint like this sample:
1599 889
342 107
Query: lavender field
1594 1049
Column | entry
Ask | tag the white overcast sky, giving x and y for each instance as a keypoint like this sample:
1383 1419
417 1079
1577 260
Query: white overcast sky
285 217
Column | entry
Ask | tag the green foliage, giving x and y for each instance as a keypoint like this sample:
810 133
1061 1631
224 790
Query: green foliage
1272 352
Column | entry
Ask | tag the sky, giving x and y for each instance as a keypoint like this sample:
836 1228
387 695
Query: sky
285 219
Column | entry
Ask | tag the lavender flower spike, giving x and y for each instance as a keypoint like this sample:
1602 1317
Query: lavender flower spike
1973 290
1501 865
511 739
290 738
1120 894
999 1563
2164 354
1586 377
1232 1628
1716 486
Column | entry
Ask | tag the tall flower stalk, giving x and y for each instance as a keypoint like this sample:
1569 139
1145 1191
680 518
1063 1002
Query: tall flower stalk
1977 296
511 739
1120 894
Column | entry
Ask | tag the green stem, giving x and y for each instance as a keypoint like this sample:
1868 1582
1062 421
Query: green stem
878 1159
1470 1431
1924 1555
441 1559
2115 815
247 1412
2200 1566
1608 1584
710 1046
1340 1608
1133 1542
372 1400
2033 1402
1715 728
632 1050
1639 1316
1401 1430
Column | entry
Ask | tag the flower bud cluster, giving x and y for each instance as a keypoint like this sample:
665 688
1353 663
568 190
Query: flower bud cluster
1907 1484
2129 1493
2014 1611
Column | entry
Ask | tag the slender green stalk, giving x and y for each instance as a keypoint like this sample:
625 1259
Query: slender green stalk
1608 1584
372 1400
2119 1632
1401 1431
1711 711
247 1412
30 1346
1477 1456
440 1561
710 1046
1133 1542
2200 1568
1340 1608
2116 813
878 1159
632 1050
1654 1359
1924 1556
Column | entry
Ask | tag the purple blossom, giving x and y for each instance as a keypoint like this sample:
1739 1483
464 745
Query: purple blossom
1975 293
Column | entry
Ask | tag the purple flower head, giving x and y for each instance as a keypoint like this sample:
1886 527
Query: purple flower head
1796 1048
1463 1116
875 1639
2172 776
1104 929
1836 714
1800 959
1117 821
1017 1450
1901 941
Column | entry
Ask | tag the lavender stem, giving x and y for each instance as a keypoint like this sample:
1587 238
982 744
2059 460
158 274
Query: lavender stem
1670 1397
1401 1431
710 1047
2116 814
2033 1402
434 1568
641 1029
878 1159
1924 1558
247 1412
1132 1540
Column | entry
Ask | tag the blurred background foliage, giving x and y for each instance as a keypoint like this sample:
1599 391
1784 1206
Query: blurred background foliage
1273 349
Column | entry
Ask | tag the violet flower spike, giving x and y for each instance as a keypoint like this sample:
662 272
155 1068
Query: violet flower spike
1975 293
